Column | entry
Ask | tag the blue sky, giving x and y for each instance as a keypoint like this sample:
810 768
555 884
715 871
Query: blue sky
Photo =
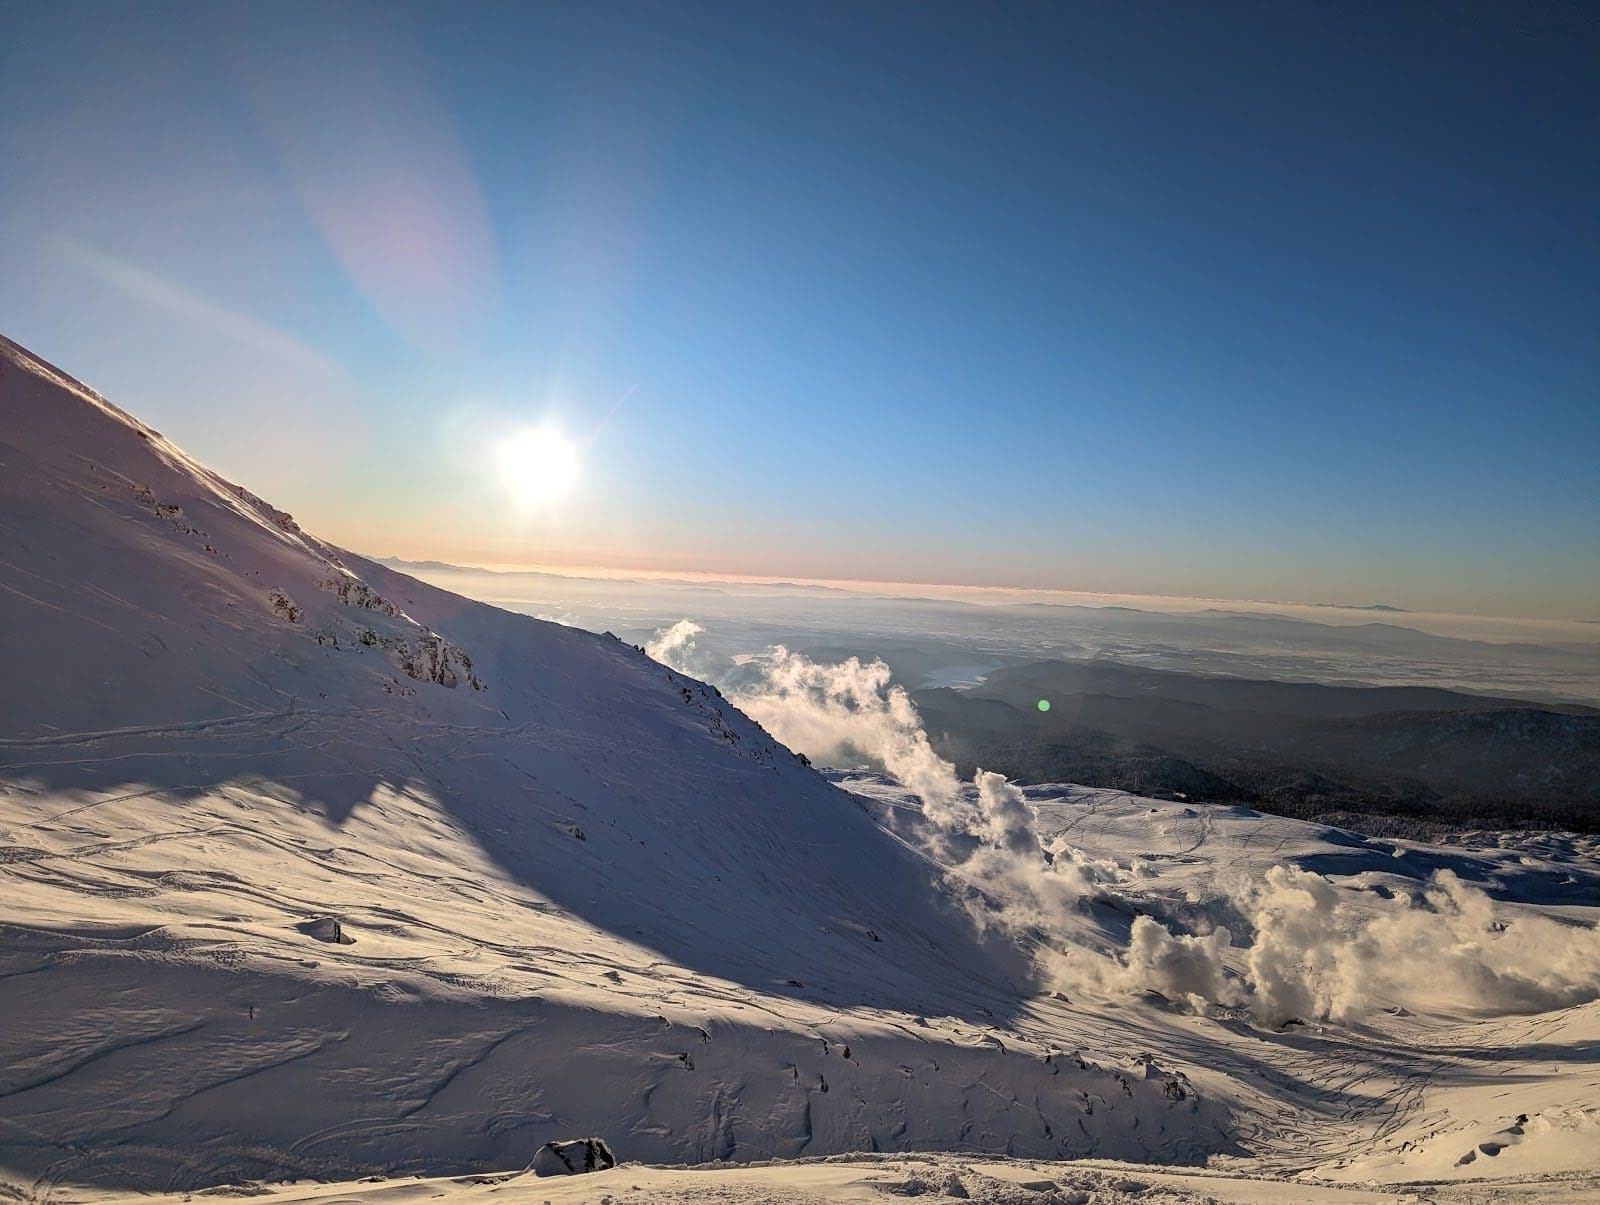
1276 301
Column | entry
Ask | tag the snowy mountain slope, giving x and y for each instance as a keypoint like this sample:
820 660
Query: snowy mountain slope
311 869
308 869
167 629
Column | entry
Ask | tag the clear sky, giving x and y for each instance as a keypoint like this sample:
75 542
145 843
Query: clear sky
1276 300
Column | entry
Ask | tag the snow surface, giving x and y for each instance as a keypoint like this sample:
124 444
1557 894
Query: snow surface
309 870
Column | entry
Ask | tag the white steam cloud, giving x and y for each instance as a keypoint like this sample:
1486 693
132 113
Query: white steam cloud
848 711
674 646
1009 820
1315 956
1317 950
1182 967
852 711
1322 952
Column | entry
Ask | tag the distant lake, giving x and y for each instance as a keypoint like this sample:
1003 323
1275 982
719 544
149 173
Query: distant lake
958 677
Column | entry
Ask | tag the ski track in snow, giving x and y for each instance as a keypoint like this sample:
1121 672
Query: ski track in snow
578 893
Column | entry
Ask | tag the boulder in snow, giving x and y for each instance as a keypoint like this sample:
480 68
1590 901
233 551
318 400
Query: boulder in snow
573 1157
326 928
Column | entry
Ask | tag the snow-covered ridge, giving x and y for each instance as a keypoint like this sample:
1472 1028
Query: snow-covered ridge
578 891
95 439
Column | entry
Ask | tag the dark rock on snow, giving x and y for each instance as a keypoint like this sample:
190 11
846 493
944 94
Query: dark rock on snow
573 1157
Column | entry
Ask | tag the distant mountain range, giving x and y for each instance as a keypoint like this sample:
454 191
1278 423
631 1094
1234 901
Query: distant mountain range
1360 607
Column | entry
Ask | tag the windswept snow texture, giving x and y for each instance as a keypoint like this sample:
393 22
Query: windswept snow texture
308 869
575 892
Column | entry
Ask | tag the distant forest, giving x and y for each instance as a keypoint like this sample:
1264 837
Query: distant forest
1391 761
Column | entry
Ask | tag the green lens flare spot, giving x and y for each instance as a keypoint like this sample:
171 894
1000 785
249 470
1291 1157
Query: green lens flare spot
1044 704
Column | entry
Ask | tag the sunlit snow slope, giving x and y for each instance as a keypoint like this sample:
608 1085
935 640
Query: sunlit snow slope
307 868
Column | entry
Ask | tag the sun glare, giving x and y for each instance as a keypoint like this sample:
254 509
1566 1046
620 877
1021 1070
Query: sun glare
539 465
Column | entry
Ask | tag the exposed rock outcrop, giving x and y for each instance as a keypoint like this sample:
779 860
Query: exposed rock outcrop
573 1157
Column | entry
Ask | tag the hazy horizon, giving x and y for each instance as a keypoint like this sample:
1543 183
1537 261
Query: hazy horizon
1000 593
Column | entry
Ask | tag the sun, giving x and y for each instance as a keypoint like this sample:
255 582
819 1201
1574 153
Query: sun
539 465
